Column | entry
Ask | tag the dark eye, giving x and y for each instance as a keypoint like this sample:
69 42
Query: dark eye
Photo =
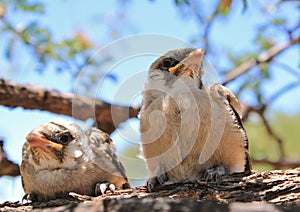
168 63
65 138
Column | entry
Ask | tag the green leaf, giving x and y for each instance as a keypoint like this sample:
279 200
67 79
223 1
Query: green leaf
278 21
94 78
256 89
241 58
266 43
28 7
264 67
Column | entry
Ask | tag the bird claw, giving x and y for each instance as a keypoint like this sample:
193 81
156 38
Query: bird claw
214 173
101 188
155 181
26 197
29 197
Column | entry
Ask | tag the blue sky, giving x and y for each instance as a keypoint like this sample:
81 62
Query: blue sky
63 17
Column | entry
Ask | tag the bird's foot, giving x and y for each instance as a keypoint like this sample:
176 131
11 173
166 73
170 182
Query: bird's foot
29 197
126 185
101 188
155 181
214 173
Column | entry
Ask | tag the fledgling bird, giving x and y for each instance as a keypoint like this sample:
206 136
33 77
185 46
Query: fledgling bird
189 130
58 158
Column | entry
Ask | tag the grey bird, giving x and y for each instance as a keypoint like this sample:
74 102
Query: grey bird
189 130
58 158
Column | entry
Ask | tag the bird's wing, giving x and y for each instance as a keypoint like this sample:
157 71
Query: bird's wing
28 173
24 155
224 96
232 101
104 152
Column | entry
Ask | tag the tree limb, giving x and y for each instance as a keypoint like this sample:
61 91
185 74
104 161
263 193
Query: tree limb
262 58
260 110
28 96
7 167
283 90
277 190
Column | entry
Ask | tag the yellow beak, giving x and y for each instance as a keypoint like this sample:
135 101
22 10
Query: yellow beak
190 64
37 140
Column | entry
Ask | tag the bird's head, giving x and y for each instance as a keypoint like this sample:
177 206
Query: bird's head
55 144
181 63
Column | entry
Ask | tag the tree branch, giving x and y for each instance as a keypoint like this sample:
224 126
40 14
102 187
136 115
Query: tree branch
287 68
271 133
277 190
13 95
260 110
262 58
282 91
7 167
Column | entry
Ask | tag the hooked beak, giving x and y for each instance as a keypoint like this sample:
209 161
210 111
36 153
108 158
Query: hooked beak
38 140
190 64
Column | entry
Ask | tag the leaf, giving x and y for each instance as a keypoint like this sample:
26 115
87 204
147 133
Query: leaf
266 43
82 40
28 7
264 67
2 9
278 21
94 78
224 7
256 89
240 58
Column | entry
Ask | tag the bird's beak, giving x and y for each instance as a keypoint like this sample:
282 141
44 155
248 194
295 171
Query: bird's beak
191 64
37 140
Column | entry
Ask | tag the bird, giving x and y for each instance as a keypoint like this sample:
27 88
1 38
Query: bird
59 158
189 131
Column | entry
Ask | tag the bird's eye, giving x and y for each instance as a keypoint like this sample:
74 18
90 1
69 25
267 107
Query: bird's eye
168 63
65 138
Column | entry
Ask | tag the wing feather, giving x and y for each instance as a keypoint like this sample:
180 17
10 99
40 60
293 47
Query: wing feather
224 95
101 144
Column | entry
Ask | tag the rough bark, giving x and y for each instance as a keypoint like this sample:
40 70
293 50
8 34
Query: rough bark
28 96
277 190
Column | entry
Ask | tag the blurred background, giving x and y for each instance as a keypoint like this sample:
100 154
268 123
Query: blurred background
252 45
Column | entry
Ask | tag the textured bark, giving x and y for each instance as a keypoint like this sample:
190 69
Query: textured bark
34 97
7 167
277 190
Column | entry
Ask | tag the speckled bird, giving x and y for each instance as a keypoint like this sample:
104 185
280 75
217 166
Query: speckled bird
59 157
